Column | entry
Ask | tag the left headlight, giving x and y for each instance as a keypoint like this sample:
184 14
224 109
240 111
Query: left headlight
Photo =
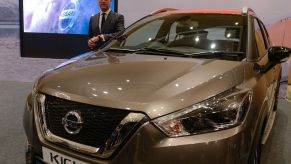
222 111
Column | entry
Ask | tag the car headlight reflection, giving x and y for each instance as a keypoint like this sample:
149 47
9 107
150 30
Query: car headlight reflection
219 112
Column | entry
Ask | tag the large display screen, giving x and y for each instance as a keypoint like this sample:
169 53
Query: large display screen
56 28
59 16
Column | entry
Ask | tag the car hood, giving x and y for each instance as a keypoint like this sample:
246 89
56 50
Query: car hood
156 85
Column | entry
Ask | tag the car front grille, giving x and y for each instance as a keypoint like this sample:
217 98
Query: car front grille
99 122
95 130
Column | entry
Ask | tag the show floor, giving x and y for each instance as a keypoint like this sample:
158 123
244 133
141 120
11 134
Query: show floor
12 138
15 68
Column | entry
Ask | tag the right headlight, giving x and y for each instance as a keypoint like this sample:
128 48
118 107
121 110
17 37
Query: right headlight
222 111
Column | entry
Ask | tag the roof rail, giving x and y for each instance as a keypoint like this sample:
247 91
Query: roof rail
162 10
246 10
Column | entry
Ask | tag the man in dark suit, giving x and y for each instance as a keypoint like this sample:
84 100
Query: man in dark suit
104 25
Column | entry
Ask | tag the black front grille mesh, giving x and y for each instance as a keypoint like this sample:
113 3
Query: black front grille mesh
99 122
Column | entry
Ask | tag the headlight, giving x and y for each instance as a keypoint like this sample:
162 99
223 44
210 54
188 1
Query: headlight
223 111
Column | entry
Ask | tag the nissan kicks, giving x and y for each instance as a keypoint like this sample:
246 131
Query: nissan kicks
177 86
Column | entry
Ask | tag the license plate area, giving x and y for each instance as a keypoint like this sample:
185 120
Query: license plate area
53 157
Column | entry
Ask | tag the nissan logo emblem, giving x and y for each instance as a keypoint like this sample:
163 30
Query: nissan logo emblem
72 122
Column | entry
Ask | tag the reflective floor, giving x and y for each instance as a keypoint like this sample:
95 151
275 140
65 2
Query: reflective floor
277 150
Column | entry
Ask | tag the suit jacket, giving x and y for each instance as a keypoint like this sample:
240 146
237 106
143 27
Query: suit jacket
113 25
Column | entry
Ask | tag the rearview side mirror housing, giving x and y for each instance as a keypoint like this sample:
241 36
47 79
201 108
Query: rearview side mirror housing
279 54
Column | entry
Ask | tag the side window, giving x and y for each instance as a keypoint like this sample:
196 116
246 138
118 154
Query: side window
266 34
259 39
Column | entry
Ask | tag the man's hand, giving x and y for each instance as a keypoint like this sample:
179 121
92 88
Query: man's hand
93 41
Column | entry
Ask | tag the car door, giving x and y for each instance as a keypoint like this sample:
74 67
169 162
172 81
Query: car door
261 81
273 74
267 83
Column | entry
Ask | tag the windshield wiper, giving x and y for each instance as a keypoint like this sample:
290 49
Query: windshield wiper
219 54
161 51
166 52
224 53
149 51
120 50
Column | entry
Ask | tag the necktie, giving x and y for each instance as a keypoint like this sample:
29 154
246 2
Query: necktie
103 20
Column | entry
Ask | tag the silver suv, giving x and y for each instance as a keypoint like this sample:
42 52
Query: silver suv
177 86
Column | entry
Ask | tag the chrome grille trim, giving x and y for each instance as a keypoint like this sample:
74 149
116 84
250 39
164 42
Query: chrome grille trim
130 122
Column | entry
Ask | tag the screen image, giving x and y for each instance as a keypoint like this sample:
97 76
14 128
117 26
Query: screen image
59 16
56 28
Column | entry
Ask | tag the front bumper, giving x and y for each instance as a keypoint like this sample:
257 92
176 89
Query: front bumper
149 145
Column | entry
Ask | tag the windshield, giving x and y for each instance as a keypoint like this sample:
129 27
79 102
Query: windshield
186 34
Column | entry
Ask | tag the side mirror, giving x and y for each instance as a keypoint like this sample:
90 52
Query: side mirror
278 54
